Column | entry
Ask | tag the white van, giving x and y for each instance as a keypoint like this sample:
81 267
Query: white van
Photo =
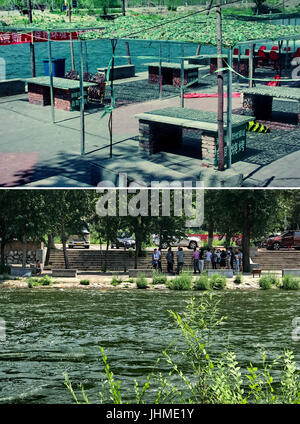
80 240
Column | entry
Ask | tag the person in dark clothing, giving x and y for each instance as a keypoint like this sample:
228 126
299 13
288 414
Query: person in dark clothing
214 259
159 259
223 259
170 261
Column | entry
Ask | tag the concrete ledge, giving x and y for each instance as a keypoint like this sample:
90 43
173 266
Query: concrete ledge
64 272
20 271
120 72
228 273
295 272
134 272
12 87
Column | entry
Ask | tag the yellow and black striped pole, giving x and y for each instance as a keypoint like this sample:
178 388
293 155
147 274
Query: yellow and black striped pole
254 126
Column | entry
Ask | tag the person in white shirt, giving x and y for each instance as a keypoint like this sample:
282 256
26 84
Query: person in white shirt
208 259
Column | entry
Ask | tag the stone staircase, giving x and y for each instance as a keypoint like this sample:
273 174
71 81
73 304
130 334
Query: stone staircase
277 260
117 260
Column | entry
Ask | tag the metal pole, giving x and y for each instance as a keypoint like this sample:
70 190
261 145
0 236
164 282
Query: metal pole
82 132
51 78
86 57
229 109
113 44
220 89
160 73
182 77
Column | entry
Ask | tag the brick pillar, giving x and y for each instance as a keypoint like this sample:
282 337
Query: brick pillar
208 149
154 136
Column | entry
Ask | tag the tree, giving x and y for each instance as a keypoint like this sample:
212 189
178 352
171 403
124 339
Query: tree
22 216
68 211
251 212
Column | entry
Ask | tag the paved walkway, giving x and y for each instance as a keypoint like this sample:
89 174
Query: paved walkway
35 151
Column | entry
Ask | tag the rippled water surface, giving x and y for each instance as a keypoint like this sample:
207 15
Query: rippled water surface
17 56
50 332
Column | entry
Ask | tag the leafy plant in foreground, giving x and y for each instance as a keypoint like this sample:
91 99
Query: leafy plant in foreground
216 378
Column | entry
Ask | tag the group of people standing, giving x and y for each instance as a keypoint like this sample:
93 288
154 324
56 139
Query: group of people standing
211 259
226 258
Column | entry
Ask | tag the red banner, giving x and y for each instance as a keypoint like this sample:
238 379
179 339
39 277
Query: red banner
7 38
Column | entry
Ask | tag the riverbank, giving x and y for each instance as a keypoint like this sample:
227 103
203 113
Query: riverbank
121 282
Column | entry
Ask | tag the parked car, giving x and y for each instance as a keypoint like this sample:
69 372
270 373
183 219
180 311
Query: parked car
190 241
289 239
123 240
80 240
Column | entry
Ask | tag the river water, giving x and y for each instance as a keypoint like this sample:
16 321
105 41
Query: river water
50 332
17 57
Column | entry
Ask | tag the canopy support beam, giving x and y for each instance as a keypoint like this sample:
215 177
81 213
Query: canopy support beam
51 78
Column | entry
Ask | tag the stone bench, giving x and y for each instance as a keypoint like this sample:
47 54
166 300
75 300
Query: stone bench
64 272
171 73
12 87
19 271
162 128
120 71
295 272
258 101
134 272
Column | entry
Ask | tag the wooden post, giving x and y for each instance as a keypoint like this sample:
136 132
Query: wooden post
82 130
220 89
182 77
123 8
160 73
198 50
251 48
51 78
229 109
128 53
71 41
32 52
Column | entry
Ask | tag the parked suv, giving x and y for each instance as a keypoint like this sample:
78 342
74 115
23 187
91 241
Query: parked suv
190 241
289 239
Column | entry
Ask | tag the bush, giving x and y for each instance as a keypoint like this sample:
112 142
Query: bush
202 283
182 282
238 278
131 253
85 282
158 278
265 282
218 282
290 282
4 269
116 281
131 280
46 280
43 281
5 276
141 281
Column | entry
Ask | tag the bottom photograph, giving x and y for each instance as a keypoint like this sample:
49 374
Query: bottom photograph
149 296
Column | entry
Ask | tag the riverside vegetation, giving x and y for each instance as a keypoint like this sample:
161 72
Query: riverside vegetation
217 378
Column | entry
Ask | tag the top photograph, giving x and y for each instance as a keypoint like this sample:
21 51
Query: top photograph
117 93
